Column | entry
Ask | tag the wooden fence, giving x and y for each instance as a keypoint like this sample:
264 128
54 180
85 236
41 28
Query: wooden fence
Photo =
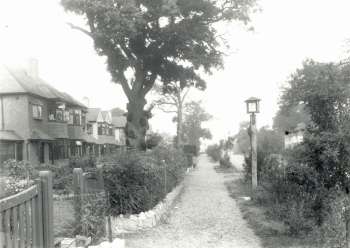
26 219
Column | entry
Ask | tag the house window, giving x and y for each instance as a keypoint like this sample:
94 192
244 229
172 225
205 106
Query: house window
37 111
57 112
83 120
89 128
77 117
59 115
66 116
71 117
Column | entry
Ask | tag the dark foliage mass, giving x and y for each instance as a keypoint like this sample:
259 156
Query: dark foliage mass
137 181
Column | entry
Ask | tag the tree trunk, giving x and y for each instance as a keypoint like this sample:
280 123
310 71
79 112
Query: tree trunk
179 127
137 123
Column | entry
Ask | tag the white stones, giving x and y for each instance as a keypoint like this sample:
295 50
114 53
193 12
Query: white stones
142 216
144 220
118 243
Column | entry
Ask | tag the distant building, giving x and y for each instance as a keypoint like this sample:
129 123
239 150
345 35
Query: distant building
295 136
40 124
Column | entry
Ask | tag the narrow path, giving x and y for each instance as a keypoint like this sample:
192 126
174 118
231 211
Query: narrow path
205 216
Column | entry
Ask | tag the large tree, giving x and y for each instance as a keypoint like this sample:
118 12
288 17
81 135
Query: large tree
166 40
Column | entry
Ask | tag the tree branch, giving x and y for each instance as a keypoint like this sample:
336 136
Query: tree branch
80 29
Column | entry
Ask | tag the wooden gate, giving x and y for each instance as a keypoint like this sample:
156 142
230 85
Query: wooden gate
26 219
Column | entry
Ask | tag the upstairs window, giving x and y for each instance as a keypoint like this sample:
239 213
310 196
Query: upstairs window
59 115
71 117
89 128
66 116
77 117
57 112
37 111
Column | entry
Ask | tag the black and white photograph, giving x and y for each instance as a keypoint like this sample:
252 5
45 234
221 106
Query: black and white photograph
174 124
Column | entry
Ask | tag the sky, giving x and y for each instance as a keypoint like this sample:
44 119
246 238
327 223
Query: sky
258 63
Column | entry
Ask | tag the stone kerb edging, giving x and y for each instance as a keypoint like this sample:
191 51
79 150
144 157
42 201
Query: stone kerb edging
147 219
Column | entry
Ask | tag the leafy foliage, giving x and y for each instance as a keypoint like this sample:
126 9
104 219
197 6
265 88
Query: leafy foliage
269 142
225 161
214 151
193 131
137 181
153 139
308 188
155 40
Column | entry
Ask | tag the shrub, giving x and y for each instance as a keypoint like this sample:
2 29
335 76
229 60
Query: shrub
332 232
153 140
20 175
63 172
92 217
214 151
137 181
225 161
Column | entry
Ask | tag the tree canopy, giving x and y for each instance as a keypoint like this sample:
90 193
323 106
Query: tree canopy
166 40
193 131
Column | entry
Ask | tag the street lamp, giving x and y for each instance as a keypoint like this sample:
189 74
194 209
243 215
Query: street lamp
253 107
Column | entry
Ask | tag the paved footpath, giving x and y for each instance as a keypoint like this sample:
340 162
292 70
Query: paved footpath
205 216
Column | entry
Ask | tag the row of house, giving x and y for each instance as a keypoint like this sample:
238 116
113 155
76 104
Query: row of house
41 124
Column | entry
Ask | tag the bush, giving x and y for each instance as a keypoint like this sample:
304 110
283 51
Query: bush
153 140
63 172
214 151
225 161
20 175
332 233
137 181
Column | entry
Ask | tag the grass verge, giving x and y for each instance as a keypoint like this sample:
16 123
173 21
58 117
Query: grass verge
272 233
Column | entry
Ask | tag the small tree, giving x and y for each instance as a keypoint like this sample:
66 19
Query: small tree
193 131
172 100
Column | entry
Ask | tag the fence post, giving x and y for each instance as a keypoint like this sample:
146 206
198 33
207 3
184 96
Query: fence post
47 207
78 191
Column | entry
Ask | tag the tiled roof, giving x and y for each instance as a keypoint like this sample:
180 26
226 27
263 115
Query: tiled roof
92 114
17 80
9 135
119 121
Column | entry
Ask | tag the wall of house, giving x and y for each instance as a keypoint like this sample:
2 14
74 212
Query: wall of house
95 130
16 116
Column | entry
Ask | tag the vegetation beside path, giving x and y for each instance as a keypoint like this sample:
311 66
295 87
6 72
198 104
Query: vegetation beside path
271 232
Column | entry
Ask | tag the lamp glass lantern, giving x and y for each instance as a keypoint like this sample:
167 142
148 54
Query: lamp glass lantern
253 105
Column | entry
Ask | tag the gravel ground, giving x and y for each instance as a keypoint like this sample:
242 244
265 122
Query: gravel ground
204 216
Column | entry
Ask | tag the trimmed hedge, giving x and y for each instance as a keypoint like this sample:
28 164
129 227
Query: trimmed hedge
136 181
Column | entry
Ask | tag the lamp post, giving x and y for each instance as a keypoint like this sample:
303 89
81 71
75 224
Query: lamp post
253 108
